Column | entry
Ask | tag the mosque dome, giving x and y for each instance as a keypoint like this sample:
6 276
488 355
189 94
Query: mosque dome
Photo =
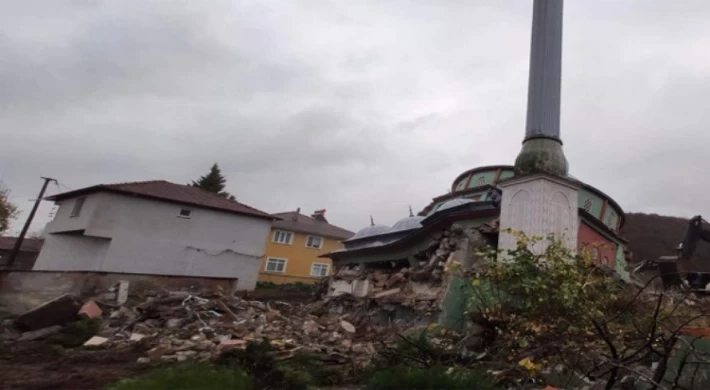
454 203
370 231
408 223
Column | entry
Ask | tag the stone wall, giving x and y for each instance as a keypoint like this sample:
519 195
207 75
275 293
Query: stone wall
22 290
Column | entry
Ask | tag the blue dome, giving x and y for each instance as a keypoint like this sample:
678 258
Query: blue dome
370 231
408 223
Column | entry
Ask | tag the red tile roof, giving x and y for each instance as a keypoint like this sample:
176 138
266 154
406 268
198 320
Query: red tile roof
170 192
300 223
28 244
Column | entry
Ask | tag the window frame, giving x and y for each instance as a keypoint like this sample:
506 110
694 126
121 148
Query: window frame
276 232
78 206
277 259
327 269
320 246
188 216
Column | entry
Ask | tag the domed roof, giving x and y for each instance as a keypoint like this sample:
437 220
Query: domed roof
454 203
370 231
408 223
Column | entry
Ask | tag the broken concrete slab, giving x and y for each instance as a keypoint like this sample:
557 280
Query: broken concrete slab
122 295
40 333
58 311
348 327
385 293
136 336
94 341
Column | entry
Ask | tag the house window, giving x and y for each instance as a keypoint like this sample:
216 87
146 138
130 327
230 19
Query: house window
319 270
481 181
275 265
606 262
588 205
185 213
314 242
283 237
77 207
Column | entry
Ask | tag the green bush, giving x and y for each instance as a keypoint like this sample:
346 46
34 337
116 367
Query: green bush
77 333
403 377
197 376
258 360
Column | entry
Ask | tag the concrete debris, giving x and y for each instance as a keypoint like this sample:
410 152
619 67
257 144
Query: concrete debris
348 327
136 337
58 311
180 326
95 341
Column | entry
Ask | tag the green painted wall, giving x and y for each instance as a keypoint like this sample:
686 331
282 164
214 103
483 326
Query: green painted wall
597 202
461 184
611 219
482 178
506 175
620 263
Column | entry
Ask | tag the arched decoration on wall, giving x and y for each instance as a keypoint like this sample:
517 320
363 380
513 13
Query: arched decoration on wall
520 208
560 214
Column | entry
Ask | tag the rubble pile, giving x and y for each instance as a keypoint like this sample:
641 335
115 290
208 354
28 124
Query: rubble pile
419 282
180 326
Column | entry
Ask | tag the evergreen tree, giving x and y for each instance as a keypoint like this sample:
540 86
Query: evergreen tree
213 182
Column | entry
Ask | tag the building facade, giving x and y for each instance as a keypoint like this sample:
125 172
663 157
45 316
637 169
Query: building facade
155 228
475 199
294 245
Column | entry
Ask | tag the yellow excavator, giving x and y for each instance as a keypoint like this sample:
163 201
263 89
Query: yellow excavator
676 271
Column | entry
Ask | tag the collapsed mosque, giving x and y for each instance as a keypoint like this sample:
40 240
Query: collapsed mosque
408 261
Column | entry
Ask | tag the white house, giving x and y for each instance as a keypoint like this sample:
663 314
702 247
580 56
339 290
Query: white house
155 228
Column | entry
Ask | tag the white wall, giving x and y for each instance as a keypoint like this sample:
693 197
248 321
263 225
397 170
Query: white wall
538 206
62 221
148 237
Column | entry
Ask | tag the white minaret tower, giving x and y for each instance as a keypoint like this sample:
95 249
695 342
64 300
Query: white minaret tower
541 199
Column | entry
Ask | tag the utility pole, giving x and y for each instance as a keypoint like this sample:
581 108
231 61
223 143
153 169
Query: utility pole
18 242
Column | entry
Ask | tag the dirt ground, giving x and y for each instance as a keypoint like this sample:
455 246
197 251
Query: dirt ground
35 366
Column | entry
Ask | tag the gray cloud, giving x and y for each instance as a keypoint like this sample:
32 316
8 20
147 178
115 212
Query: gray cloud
360 107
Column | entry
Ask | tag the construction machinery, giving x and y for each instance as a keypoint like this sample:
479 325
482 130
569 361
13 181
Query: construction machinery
676 271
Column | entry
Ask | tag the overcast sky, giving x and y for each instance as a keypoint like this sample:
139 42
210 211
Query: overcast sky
359 107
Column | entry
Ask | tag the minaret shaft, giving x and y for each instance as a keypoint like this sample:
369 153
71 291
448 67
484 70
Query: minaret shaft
542 145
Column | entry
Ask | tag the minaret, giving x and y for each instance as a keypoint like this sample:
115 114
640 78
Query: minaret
541 199
542 146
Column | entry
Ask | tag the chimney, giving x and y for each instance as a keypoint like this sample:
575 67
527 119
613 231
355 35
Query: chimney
542 146
298 212
319 215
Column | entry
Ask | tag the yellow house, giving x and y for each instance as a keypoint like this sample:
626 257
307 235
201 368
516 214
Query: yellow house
293 247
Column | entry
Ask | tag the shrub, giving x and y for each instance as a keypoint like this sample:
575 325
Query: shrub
197 376
77 333
258 360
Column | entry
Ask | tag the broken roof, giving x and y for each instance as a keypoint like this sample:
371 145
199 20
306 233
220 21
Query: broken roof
300 223
170 192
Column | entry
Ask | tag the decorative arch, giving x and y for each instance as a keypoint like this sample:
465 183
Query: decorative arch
520 208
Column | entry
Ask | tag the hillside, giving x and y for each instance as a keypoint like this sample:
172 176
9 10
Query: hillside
651 236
